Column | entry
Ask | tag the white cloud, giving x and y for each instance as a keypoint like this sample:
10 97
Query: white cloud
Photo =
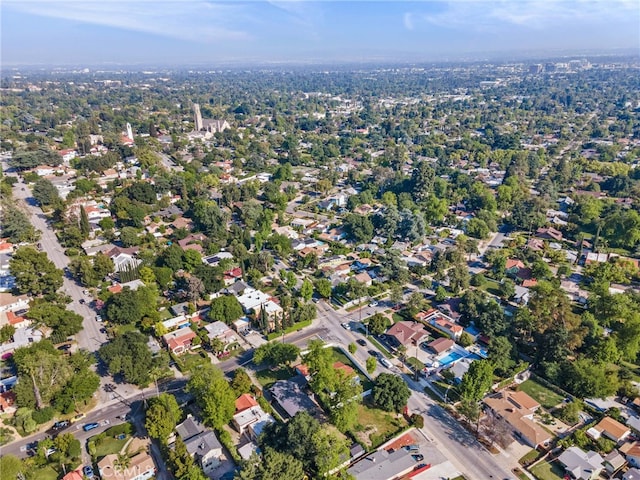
195 20
537 14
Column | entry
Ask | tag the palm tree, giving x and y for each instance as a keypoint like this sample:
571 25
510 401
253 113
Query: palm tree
122 462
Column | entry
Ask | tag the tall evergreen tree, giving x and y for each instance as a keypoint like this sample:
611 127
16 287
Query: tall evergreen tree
84 223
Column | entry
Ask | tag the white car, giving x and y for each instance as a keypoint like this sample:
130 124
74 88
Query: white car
373 304
346 326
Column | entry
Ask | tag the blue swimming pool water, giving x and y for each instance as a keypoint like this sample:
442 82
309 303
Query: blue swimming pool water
450 358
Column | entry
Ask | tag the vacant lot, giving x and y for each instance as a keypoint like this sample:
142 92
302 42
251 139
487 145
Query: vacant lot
544 396
376 426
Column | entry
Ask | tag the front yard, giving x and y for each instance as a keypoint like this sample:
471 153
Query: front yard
548 471
547 398
268 377
111 441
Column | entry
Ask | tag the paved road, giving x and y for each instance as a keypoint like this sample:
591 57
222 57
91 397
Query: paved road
89 338
455 443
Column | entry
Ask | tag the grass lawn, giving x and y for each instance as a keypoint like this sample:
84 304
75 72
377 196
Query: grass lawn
268 377
190 360
542 394
529 457
109 445
46 473
376 426
376 343
548 471
491 286
414 362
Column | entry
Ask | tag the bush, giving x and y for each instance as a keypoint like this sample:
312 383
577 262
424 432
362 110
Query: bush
119 430
417 420
352 348
44 415
72 252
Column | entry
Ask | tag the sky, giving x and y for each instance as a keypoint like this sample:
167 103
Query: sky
170 32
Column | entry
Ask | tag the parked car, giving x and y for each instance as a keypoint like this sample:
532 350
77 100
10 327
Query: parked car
80 416
87 470
61 424
346 326
373 353
418 457
98 318
373 304
412 448
361 342
90 426
385 362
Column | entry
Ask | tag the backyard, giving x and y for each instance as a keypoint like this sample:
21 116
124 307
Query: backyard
546 397
339 356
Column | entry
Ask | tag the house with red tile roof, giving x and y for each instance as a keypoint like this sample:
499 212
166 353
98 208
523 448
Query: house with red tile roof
245 401
446 326
180 341
407 333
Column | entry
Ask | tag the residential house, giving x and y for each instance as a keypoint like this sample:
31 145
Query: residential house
517 409
221 331
613 462
364 278
549 233
290 396
406 334
631 451
74 475
180 341
245 401
610 428
517 269
383 465
232 276
193 242
446 326
10 302
8 402
631 474
141 467
202 444
214 260
581 465
252 421
441 345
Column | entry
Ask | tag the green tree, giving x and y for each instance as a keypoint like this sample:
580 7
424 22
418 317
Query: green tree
323 287
162 416
274 464
45 192
214 395
276 354
11 467
34 272
225 308
390 392
378 324
371 365
63 322
306 290
85 227
477 381
241 382
128 355
6 333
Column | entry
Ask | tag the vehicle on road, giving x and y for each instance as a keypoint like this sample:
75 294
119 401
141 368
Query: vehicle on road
82 301
90 426
87 471
373 353
80 416
361 342
373 304
346 326
61 424
418 457
98 318
385 362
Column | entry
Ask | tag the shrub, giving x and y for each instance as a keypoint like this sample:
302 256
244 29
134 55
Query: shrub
417 420
44 415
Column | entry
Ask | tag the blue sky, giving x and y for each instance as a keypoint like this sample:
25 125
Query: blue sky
205 31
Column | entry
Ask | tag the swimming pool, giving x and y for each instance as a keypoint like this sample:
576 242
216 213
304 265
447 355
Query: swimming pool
449 358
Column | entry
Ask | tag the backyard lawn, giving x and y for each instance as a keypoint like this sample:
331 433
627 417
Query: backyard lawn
544 396
376 426
548 471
